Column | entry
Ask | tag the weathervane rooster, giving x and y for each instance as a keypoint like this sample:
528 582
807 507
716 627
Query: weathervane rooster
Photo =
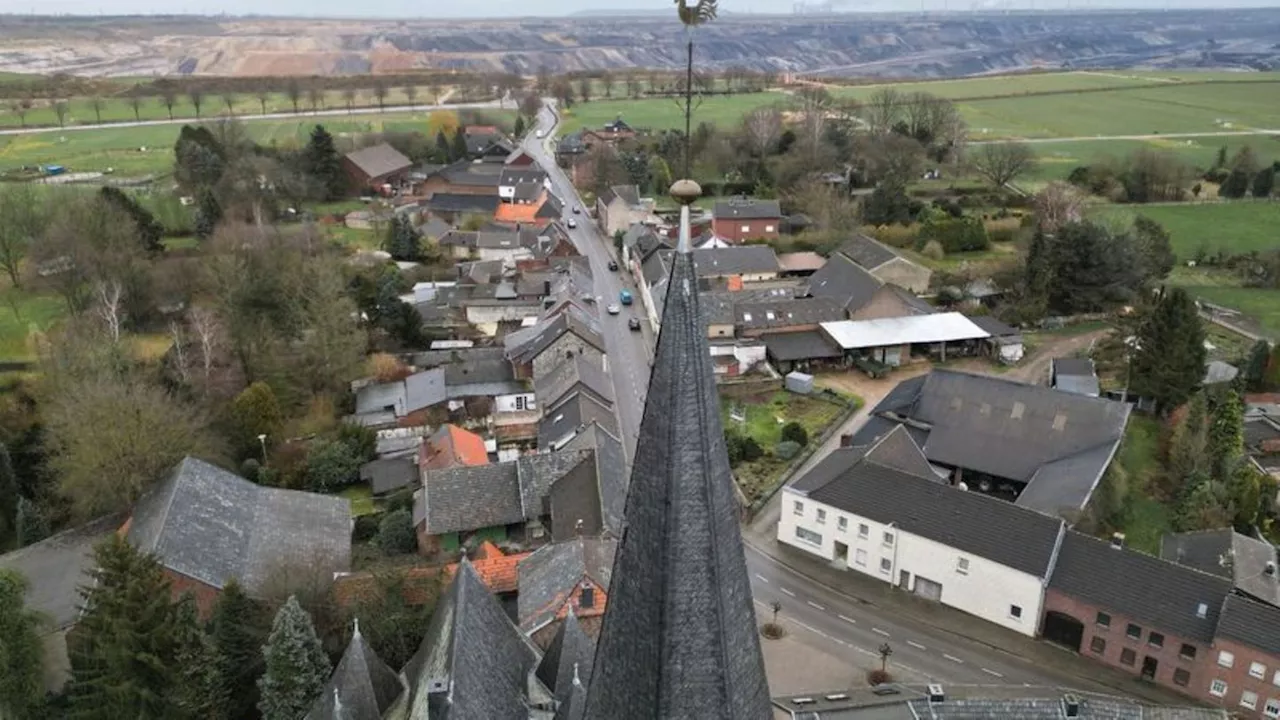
703 12
692 16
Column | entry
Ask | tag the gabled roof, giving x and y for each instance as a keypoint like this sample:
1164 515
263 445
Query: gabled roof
869 252
844 281
451 446
788 312
893 487
214 526
498 571
1163 595
737 260
463 203
379 160
547 332
551 574
56 568
473 664
362 687
801 261
522 175
802 345
747 209
612 473
1253 623
387 474
419 390
573 413
578 374
628 194
1249 563
566 667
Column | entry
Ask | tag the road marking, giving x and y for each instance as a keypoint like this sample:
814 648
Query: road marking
916 645
762 578
992 672
878 631
953 658
847 619
815 605
787 592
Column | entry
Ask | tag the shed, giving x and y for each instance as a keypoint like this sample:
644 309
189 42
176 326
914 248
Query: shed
887 340
1005 342
798 382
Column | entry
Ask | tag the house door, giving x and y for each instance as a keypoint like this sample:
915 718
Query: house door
1063 629
904 579
929 589
1149 666
842 554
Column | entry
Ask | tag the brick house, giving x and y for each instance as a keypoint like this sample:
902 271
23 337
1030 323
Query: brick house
740 219
372 167
886 264
619 207
463 178
535 351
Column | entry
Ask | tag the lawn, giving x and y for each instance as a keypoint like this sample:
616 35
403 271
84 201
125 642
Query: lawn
1261 305
765 416
1056 160
666 113
1236 227
1145 518
24 313
361 497
1003 85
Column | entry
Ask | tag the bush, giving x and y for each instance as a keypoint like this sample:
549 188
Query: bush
955 234
933 250
331 466
787 450
395 533
879 677
900 236
751 450
795 432
366 528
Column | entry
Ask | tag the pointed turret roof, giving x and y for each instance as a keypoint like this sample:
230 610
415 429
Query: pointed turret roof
568 660
679 639
362 687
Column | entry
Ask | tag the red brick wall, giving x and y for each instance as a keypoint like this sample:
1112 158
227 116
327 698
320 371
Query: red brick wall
204 593
1238 678
1117 641
731 228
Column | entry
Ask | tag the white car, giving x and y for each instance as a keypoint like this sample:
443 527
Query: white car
614 309
541 134
573 223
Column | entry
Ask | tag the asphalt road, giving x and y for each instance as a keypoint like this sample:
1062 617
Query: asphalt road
629 352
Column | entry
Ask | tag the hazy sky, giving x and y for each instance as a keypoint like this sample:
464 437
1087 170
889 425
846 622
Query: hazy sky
509 8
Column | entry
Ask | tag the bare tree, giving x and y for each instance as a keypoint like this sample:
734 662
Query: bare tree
542 82
229 99
883 109
632 81
315 96
890 158
60 109
607 82
26 216
814 105
181 363
1002 163
96 103
21 108
763 127
349 97
411 93
1057 204
263 94
436 90
293 89
107 294
135 102
531 105
380 92
169 98
584 88
209 338
196 95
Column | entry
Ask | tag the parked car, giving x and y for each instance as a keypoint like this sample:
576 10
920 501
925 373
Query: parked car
614 309
634 324
541 134
573 223
613 265
577 210
625 297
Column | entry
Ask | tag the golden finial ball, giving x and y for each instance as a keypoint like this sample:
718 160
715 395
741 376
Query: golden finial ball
685 192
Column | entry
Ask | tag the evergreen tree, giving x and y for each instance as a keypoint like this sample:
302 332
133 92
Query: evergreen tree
519 129
9 498
1187 457
21 650
126 659
1206 505
254 412
1226 436
149 229
324 165
1154 248
1245 489
458 151
208 214
296 666
1039 266
198 692
1169 362
30 523
395 533
1236 184
238 631
444 153
1264 183
403 242
1255 370
1092 269
1221 160
887 204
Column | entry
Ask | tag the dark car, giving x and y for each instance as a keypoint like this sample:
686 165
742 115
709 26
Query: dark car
613 265
634 324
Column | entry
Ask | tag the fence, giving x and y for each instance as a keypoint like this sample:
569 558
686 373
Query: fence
812 448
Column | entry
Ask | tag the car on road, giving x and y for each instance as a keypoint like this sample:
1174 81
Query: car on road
541 134
625 297
577 210
614 309
572 223
613 265
634 324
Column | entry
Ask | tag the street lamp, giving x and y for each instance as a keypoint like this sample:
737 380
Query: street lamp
262 440
885 652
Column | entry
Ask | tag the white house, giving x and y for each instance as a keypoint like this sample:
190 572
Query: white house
884 511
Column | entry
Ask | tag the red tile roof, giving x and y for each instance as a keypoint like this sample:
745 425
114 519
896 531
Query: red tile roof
451 446
497 572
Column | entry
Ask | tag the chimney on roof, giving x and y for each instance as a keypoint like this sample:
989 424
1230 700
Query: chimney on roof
1117 540
1071 705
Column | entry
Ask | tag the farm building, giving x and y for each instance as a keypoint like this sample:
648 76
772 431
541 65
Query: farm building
891 340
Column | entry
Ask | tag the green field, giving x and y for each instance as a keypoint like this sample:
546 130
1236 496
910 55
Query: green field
1236 227
1263 306
149 149
1001 86
1056 160
665 113
22 314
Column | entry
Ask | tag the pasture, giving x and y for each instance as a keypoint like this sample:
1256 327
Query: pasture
1236 227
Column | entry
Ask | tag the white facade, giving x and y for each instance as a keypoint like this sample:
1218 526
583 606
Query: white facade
993 592
507 255
492 314
517 402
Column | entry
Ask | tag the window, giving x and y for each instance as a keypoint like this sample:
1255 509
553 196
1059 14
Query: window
822 516
1015 612
962 565
1155 640
1218 688
843 524
1257 670
888 538
809 536
885 565
860 558
1133 631
1104 620
768 228
1226 659
863 531
1249 699
1127 657
1202 610
1275 680
520 402
1272 708
1098 645
746 228
797 508
588 598
1181 676
1188 652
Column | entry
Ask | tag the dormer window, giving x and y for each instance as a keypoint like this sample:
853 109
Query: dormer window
587 598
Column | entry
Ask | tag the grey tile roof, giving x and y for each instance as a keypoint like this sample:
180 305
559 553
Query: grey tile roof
581 374
571 415
419 390
629 194
463 203
213 526
537 473
787 313
473 664
803 345
739 260
528 346
612 476
915 303
917 503
1082 367
679 637
1247 562
471 497
1256 624
1164 596
992 325
844 281
56 568
522 175
566 667
378 160
487 370
434 227
388 474
868 252
362 687
550 574
527 191
1056 442
747 209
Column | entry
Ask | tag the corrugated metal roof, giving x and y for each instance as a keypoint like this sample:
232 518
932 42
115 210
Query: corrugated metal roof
938 327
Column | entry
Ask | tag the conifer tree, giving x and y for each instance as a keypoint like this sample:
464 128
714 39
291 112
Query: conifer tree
1187 456
323 164
402 241
1226 436
519 129
444 152
21 681
9 498
459 149
208 214
125 663
198 692
1255 370
296 666
149 229
1169 362
30 523
239 629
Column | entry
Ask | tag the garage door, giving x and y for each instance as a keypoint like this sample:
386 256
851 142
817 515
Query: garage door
927 588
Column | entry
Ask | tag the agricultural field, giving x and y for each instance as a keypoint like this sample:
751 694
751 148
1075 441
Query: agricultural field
1056 160
665 113
1002 86
1236 227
